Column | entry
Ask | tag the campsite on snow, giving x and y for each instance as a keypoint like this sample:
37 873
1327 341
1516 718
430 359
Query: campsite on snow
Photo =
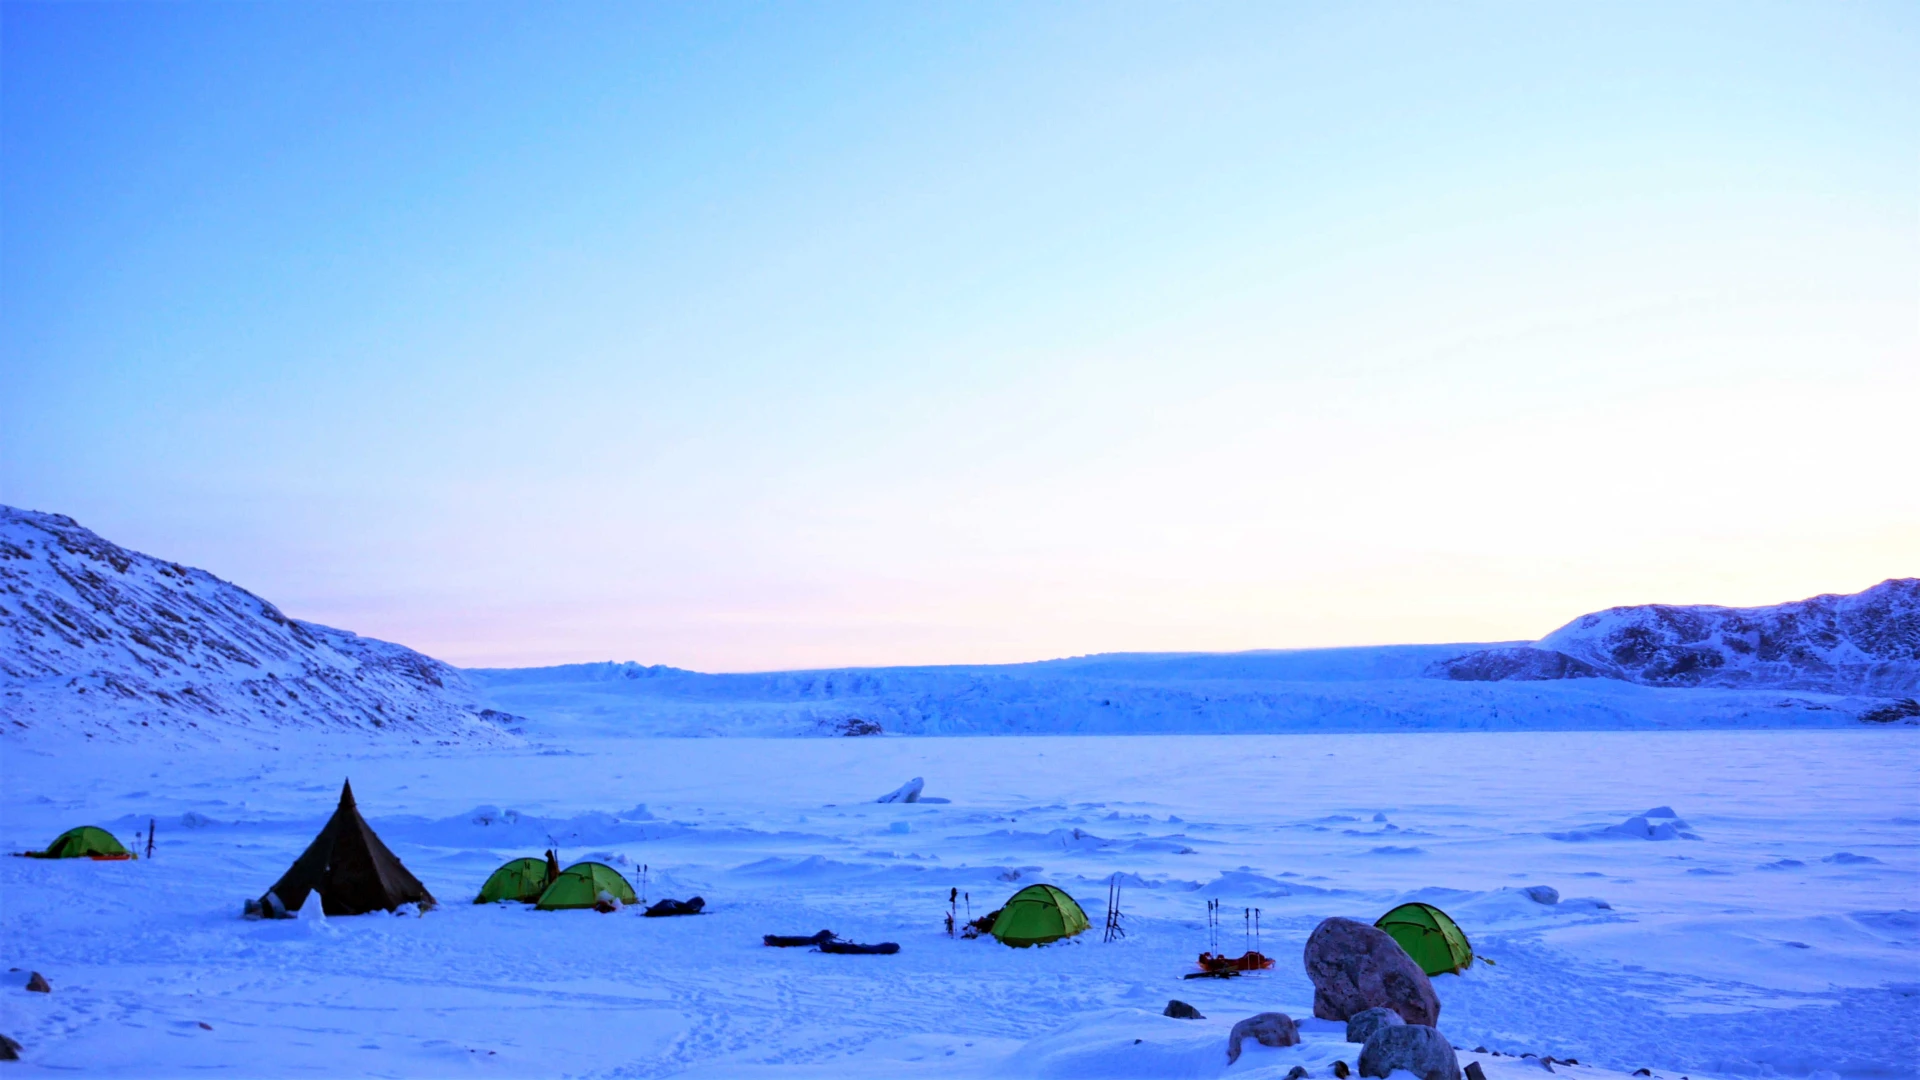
1241 540
1679 840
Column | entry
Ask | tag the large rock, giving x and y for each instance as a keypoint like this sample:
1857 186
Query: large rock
1267 1029
1180 1010
1356 967
1362 1025
1421 1051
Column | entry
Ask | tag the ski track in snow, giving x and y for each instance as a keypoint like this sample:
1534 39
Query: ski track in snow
1715 957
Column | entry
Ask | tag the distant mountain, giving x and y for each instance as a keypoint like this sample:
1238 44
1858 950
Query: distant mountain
104 642
1865 643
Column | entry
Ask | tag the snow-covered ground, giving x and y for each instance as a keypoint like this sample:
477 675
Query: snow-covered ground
1784 940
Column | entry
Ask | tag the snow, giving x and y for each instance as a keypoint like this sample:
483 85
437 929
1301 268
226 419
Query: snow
1771 931
1867 641
1796 952
1318 690
101 643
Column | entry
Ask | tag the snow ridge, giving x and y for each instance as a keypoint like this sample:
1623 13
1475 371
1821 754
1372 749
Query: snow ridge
1864 643
102 641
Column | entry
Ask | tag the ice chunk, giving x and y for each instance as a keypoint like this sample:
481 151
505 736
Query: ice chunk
907 792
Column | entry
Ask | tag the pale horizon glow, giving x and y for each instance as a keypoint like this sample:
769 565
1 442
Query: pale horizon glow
749 338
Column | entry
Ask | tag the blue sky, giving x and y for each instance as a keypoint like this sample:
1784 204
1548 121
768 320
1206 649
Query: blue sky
742 337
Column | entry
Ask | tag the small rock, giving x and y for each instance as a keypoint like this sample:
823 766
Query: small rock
204 1026
1420 1050
38 984
1340 1070
1481 1050
1298 1072
1362 1025
1542 894
9 1050
1180 1010
1356 967
1643 1072
1473 1071
1268 1029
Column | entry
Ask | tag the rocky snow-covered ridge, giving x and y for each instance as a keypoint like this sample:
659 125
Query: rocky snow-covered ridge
109 643
1865 643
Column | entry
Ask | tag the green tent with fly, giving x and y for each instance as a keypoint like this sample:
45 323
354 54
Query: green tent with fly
521 880
87 841
1430 936
1036 915
580 886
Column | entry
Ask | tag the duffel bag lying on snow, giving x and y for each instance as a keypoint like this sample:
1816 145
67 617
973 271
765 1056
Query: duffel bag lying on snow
790 941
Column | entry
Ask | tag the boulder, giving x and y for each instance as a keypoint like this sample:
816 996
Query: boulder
1267 1029
1356 967
1180 1010
1473 1071
1362 1025
1542 894
9 1050
38 984
1420 1050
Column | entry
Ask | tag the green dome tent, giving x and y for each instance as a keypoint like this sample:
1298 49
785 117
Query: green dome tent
579 885
1429 936
1036 915
86 841
521 880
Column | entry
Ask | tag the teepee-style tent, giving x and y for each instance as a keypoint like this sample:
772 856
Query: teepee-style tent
1036 915
581 884
350 869
522 879
87 841
1429 936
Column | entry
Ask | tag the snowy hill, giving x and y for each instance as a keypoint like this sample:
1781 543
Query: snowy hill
1864 643
102 642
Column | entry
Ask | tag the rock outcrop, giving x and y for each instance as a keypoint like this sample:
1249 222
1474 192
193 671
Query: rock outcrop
1864 643
107 643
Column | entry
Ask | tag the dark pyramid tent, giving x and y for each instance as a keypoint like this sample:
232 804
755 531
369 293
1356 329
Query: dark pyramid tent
522 879
1036 915
87 841
349 867
1428 935
579 885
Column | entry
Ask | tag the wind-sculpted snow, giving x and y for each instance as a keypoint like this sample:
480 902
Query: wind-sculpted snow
1867 643
1779 943
102 642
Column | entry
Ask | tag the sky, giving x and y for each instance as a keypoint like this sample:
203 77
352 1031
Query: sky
756 336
